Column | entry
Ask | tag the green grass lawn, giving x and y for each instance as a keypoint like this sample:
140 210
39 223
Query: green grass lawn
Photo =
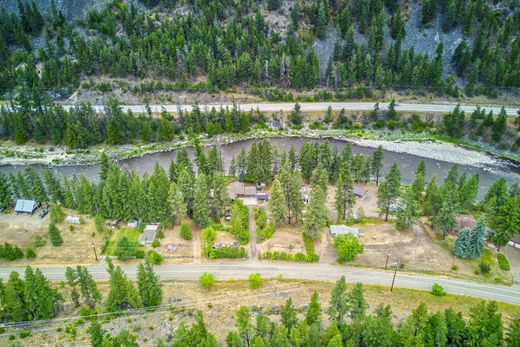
131 233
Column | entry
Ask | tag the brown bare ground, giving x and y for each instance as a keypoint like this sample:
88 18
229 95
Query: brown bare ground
287 239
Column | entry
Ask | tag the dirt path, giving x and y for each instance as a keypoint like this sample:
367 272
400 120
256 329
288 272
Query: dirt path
252 232
196 245
513 255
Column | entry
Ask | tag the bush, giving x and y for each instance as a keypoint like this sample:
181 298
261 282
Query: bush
55 236
299 257
186 231
437 290
154 258
139 254
240 221
160 233
267 232
25 333
10 252
29 253
126 249
208 236
40 241
228 252
348 247
260 217
255 280
100 223
56 215
156 243
86 311
484 268
207 280
503 263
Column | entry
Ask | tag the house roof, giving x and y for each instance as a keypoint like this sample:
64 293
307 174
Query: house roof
262 196
464 221
149 233
25 205
516 239
250 190
359 191
341 229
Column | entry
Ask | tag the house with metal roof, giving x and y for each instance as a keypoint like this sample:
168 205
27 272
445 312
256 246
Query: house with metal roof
341 229
26 206
149 234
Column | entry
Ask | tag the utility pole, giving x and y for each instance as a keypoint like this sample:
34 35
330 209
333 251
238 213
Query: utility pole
94 249
395 273
387 256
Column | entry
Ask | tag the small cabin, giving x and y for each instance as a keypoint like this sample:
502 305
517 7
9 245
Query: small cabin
149 234
26 206
262 197
359 192
464 221
342 229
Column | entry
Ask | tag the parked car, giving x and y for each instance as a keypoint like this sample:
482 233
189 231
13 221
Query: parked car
44 212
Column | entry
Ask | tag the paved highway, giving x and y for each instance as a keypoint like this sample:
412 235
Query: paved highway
317 106
305 271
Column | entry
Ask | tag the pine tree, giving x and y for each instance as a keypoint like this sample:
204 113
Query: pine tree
296 184
316 216
178 208
54 235
388 191
277 203
72 278
506 222
122 294
344 193
377 162
149 286
88 287
6 195
322 21
96 334
313 314
339 304
485 326
444 221
417 185
357 302
288 315
200 201
407 214
244 325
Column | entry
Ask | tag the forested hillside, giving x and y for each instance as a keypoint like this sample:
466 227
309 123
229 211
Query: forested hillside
446 47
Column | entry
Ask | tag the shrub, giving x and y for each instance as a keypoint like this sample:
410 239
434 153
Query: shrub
240 221
25 333
267 232
54 235
56 215
348 247
154 258
299 257
86 311
228 252
29 253
255 280
437 290
40 241
126 249
454 268
139 254
207 280
484 268
100 223
260 217
10 252
156 243
208 236
160 233
186 231
503 263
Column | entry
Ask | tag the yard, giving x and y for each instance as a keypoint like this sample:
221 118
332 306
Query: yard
24 230
116 234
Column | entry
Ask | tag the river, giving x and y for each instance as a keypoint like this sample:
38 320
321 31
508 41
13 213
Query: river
488 172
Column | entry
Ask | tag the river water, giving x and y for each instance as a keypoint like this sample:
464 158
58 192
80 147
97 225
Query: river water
407 162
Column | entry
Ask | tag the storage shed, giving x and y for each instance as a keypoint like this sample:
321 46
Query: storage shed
149 234
26 206
342 229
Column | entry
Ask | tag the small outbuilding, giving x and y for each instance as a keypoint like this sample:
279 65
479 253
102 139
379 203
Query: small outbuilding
26 206
73 220
149 234
359 192
464 221
342 229
262 197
